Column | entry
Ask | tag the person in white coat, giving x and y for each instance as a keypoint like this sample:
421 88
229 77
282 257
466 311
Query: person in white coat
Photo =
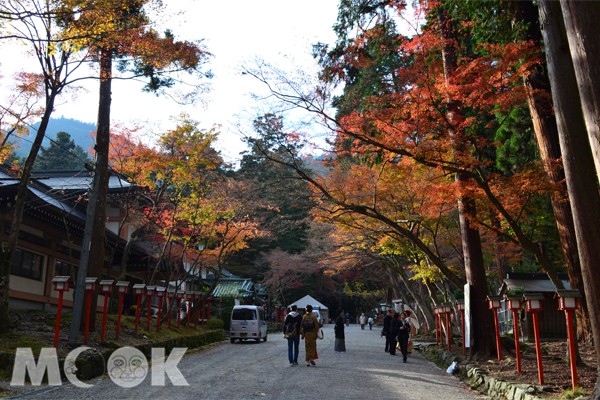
362 320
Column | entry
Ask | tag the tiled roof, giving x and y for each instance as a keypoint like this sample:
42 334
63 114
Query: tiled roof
232 285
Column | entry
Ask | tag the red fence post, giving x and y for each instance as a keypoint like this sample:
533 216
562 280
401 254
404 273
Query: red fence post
149 292
533 303
170 296
61 285
160 293
58 314
105 309
572 356
91 284
494 304
138 290
449 339
437 328
569 301
106 287
87 317
122 288
208 312
538 349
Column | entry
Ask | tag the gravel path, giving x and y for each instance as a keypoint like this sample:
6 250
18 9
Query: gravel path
260 370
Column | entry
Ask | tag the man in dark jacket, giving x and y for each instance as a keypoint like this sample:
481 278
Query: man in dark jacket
394 330
387 321
403 334
291 329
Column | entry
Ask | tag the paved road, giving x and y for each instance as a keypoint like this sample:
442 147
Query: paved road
260 370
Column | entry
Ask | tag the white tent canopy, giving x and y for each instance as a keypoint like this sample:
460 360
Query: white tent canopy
306 300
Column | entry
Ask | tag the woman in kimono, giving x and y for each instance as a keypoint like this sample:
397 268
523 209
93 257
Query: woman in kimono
308 330
340 338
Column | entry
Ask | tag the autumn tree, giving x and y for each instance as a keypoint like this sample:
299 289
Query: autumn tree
285 271
34 24
18 109
507 22
123 30
415 114
191 213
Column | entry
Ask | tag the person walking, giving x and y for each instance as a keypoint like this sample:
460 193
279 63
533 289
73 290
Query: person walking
340 338
394 328
291 326
362 321
370 323
403 334
308 329
387 324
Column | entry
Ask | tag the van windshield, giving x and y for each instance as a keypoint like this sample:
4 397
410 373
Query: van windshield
244 314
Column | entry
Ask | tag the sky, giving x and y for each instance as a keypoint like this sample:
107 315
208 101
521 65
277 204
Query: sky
235 32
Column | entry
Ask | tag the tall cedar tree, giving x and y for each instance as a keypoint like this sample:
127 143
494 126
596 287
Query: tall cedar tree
285 201
126 34
578 159
507 22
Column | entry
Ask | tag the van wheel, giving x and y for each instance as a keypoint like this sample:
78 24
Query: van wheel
232 340
265 339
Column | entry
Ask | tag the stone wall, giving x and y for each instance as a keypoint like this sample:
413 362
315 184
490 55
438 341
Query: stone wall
92 364
477 378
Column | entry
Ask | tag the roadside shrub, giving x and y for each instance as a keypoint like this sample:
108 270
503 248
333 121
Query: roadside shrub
224 312
215 323
274 326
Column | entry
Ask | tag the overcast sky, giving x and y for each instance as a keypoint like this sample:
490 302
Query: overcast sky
235 32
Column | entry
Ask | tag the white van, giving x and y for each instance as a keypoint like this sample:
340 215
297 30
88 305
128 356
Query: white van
248 322
317 314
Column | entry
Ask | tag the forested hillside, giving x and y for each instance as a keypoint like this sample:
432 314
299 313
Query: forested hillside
81 133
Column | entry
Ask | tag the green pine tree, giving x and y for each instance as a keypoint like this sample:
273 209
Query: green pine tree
62 153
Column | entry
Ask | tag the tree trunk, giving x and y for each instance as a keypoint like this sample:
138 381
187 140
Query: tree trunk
483 330
8 250
102 148
581 178
546 133
397 287
581 24
414 291
96 260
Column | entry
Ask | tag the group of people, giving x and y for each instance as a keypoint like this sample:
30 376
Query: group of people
396 330
305 327
296 327
363 320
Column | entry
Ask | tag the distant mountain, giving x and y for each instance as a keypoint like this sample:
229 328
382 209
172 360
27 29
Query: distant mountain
316 164
81 133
